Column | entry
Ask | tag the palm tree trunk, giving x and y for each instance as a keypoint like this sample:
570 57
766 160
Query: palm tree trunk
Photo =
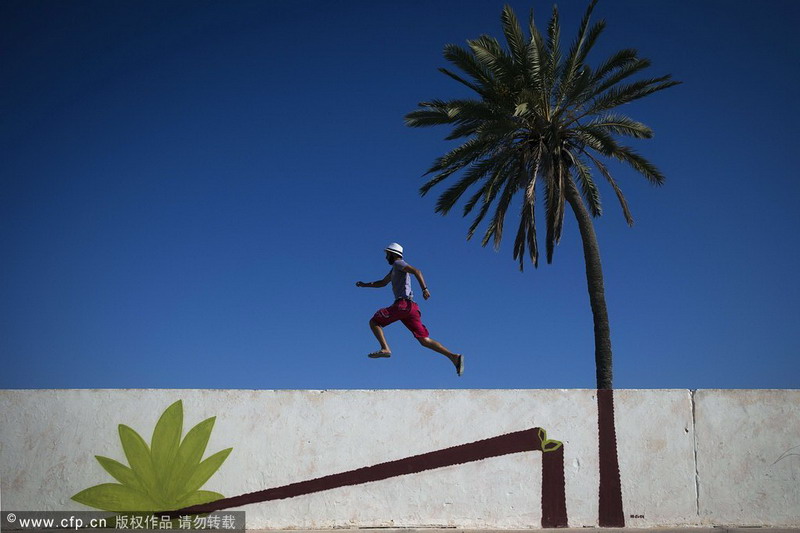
610 490
597 296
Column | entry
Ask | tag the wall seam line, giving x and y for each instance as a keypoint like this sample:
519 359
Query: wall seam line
694 446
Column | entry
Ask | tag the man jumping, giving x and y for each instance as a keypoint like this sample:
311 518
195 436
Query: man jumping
404 308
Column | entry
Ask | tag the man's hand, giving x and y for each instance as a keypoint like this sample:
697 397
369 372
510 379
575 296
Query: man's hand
380 283
426 293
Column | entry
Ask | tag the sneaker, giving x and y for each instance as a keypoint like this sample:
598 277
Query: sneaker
378 354
460 364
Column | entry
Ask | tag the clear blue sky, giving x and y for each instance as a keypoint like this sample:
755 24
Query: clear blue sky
190 191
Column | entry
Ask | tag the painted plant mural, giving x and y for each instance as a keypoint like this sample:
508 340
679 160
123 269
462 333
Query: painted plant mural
163 476
166 476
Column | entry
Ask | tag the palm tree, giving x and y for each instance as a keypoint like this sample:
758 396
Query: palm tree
543 120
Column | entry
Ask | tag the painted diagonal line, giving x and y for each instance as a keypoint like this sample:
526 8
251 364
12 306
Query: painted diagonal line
520 441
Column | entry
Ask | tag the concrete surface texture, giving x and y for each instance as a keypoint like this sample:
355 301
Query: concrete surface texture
468 459
573 530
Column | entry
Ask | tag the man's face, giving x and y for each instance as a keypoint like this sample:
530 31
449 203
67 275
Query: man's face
390 258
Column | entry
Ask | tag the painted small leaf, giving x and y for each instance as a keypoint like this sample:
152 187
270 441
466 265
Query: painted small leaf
551 445
189 455
542 436
120 472
203 472
114 497
198 498
138 455
167 439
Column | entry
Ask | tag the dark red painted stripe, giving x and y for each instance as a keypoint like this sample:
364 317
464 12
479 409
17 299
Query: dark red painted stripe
553 505
554 499
610 513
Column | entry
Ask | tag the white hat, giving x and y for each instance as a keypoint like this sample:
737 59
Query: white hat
395 249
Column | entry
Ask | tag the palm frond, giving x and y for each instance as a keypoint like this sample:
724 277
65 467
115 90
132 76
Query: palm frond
457 159
622 125
533 102
535 59
617 61
503 128
474 174
463 155
623 72
513 34
554 206
622 201
473 201
526 232
591 38
428 115
639 164
488 194
440 112
526 235
465 60
469 115
576 94
478 89
513 184
619 95
481 215
577 90
588 187
493 58
597 139
536 156
466 128
572 64
553 49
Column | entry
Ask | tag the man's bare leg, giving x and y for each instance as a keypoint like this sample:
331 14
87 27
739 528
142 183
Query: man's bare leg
436 346
378 332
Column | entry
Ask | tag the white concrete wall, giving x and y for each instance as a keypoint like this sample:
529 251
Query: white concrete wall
748 457
670 442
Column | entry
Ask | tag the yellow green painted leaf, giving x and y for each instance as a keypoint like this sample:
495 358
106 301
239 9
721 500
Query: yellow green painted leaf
203 472
198 498
139 459
551 445
166 440
120 472
189 455
115 497
542 435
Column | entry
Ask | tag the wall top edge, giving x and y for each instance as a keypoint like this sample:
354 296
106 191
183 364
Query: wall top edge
4 390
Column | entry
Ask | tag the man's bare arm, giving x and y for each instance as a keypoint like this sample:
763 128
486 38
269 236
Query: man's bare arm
421 280
380 283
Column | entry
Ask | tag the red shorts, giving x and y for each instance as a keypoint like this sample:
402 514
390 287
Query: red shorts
405 311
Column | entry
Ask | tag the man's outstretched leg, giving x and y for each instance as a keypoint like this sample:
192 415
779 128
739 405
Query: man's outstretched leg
378 332
456 358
